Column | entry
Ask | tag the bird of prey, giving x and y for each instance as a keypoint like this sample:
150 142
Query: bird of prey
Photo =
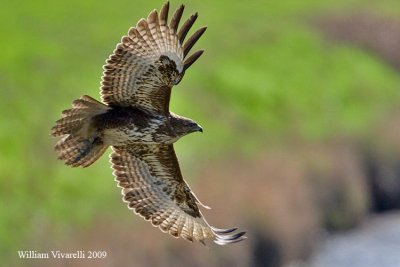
135 120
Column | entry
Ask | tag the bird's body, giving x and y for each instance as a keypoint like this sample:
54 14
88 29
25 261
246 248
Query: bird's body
135 120
129 126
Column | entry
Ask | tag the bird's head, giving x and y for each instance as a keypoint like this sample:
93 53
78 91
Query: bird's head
182 126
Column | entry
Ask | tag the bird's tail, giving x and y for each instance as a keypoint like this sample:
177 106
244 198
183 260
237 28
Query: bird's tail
81 145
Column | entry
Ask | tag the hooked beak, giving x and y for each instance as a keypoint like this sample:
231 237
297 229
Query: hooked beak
200 129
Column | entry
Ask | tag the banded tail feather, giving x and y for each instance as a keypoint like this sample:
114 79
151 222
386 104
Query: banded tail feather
80 145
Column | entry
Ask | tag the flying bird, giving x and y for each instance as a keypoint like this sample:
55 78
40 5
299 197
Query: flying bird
135 120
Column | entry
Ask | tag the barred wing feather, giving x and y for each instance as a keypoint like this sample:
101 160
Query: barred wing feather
149 61
153 186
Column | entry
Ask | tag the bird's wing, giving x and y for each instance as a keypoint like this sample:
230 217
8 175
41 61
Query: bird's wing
149 61
153 186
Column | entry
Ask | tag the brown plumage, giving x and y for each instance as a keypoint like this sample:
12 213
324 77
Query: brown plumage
136 122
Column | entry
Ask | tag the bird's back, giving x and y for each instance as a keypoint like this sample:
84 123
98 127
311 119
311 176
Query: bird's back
128 125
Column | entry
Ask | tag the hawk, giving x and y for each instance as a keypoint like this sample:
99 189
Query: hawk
135 120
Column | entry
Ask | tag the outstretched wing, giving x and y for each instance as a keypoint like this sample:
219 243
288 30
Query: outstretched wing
149 61
153 186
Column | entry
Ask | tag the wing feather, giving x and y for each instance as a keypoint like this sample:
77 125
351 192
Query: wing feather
187 232
149 61
144 30
173 25
163 26
154 188
153 25
188 62
192 40
186 27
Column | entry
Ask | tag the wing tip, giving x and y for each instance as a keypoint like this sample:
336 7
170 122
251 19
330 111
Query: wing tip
223 231
186 27
221 237
141 21
176 18
192 40
190 60
164 13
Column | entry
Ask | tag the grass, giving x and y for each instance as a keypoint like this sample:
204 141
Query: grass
266 77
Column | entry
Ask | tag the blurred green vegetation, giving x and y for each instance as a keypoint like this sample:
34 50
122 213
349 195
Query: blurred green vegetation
266 77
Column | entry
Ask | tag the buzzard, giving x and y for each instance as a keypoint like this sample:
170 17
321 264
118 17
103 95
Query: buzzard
135 120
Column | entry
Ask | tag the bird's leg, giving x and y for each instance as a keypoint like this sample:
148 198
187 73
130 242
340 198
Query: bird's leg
88 144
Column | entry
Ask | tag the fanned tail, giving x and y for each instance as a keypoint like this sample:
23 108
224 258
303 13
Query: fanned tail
80 146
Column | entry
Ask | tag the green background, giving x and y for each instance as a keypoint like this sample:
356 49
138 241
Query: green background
267 78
